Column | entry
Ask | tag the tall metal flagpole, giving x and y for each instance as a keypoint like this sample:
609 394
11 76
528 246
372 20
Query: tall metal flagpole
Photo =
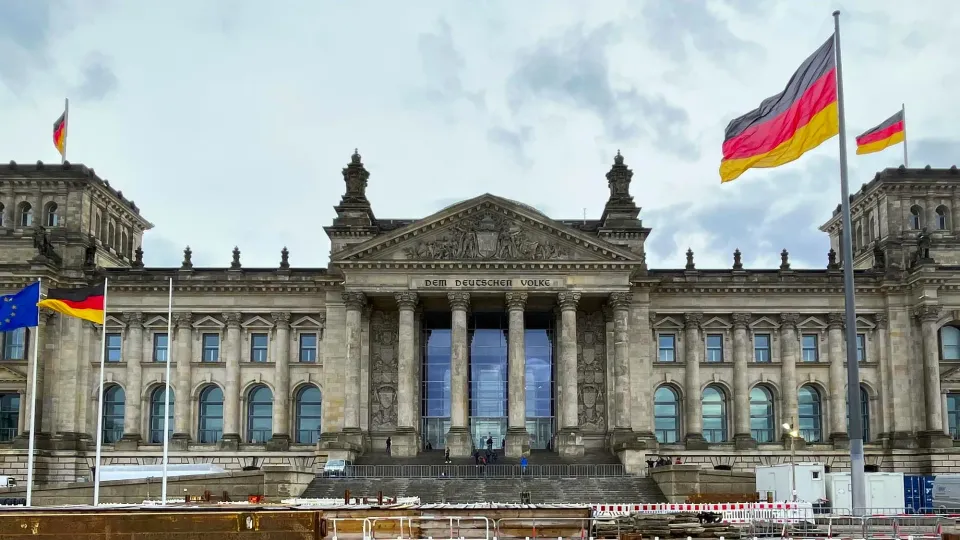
903 116
166 397
103 357
31 444
855 425
66 129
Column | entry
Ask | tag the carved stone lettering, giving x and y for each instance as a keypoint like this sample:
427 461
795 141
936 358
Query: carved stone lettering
591 371
490 236
383 370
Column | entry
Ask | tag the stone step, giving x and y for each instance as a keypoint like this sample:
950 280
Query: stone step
536 457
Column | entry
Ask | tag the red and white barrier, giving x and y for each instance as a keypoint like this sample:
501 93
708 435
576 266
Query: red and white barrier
778 512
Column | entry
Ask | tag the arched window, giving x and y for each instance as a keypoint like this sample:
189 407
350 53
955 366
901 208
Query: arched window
666 414
157 405
111 230
950 343
26 215
714 407
915 213
864 413
113 404
122 248
941 218
9 416
259 415
762 419
51 218
953 414
308 415
858 240
872 224
210 415
809 412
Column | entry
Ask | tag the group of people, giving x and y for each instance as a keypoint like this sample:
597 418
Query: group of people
662 461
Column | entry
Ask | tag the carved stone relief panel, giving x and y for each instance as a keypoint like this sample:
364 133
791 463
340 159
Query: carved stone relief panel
383 370
591 371
488 235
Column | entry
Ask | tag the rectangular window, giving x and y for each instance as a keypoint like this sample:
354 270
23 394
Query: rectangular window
861 347
667 344
761 348
258 347
211 348
114 347
308 348
14 344
810 351
160 347
714 347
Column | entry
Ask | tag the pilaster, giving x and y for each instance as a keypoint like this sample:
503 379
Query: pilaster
838 380
789 353
641 368
354 302
619 304
231 397
132 357
693 344
742 436
183 324
933 436
404 441
281 397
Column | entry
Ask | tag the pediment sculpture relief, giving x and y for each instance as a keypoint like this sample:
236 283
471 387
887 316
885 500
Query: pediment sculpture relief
488 236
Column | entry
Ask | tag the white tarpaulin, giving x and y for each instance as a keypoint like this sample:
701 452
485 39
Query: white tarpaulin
136 472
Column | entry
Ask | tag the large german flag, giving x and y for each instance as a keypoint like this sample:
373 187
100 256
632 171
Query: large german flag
889 133
84 303
60 133
789 124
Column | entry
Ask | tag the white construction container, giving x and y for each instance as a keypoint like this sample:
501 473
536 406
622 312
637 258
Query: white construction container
884 493
946 493
778 479
139 472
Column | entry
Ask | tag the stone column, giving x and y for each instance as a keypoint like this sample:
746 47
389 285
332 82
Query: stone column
838 381
231 397
132 356
934 435
404 441
620 306
183 387
518 440
569 442
281 380
742 436
692 346
459 440
355 302
886 378
789 353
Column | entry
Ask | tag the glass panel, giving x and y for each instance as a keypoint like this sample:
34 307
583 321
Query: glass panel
810 348
667 348
861 347
666 419
258 347
309 415
157 400
260 415
953 414
160 347
538 380
211 415
15 344
435 384
488 379
113 404
308 347
808 410
714 415
114 348
9 416
761 348
714 348
211 347
761 415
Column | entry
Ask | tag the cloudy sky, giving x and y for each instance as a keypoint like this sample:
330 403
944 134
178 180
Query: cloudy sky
229 123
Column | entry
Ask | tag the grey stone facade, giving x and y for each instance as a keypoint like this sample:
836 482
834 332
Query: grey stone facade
238 329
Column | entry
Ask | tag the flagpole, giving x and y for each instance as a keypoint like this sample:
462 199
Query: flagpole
31 445
903 116
66 131
166 397
103 357
855 424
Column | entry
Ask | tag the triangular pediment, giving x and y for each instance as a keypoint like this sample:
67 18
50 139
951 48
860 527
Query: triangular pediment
208 321
8 375
487 228
257 322
764 322
950 375
158 321
306 322
716 323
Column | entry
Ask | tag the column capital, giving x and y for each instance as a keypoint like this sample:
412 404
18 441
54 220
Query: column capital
927 312
740 320
46 317
568 300
882 320
281 319
836 320
406 300
516 300
232 318
459 300
692 320
620 300
789 321
354 300
133 319
183 320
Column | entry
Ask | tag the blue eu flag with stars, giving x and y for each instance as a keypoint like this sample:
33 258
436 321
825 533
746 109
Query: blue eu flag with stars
20 310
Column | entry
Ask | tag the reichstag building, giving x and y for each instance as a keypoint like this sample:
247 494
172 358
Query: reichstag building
485 323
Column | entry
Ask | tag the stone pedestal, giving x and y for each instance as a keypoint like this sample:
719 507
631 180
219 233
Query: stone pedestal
517 442
621 439
799 443
180 441
69 440
840 441
901 440
129 441
695 441
278 443
634 461
934 439
744 441
459 442
41 442
569 443
403 443
229 443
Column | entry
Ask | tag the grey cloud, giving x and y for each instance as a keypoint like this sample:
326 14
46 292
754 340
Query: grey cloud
25 30
443 65
936 152
513 141
97 80
671 26
573 69
159 251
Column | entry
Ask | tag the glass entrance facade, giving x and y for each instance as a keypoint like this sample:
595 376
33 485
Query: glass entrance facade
488 378
435 375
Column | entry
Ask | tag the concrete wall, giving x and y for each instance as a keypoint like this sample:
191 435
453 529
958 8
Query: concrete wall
681 481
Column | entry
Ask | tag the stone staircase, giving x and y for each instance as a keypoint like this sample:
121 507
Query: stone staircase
536 457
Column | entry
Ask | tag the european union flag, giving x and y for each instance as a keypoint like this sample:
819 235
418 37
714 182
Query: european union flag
20 310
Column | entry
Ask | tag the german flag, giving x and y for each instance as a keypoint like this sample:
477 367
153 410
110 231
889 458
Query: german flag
889 133
788 124
84 303
60 133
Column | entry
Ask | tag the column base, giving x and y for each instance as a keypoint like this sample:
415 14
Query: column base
338 445
899 440
744 441
41 442
569 443
934 439
695 441
517 443
840 441
621 439
403 442
229 442
279 442
459 442
73 441
129 441
799 443
180 441
648 439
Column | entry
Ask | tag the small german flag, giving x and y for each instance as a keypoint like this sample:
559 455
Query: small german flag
84 303
60 133
887 134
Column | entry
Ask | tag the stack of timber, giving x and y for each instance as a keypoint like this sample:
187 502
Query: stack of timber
679 525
